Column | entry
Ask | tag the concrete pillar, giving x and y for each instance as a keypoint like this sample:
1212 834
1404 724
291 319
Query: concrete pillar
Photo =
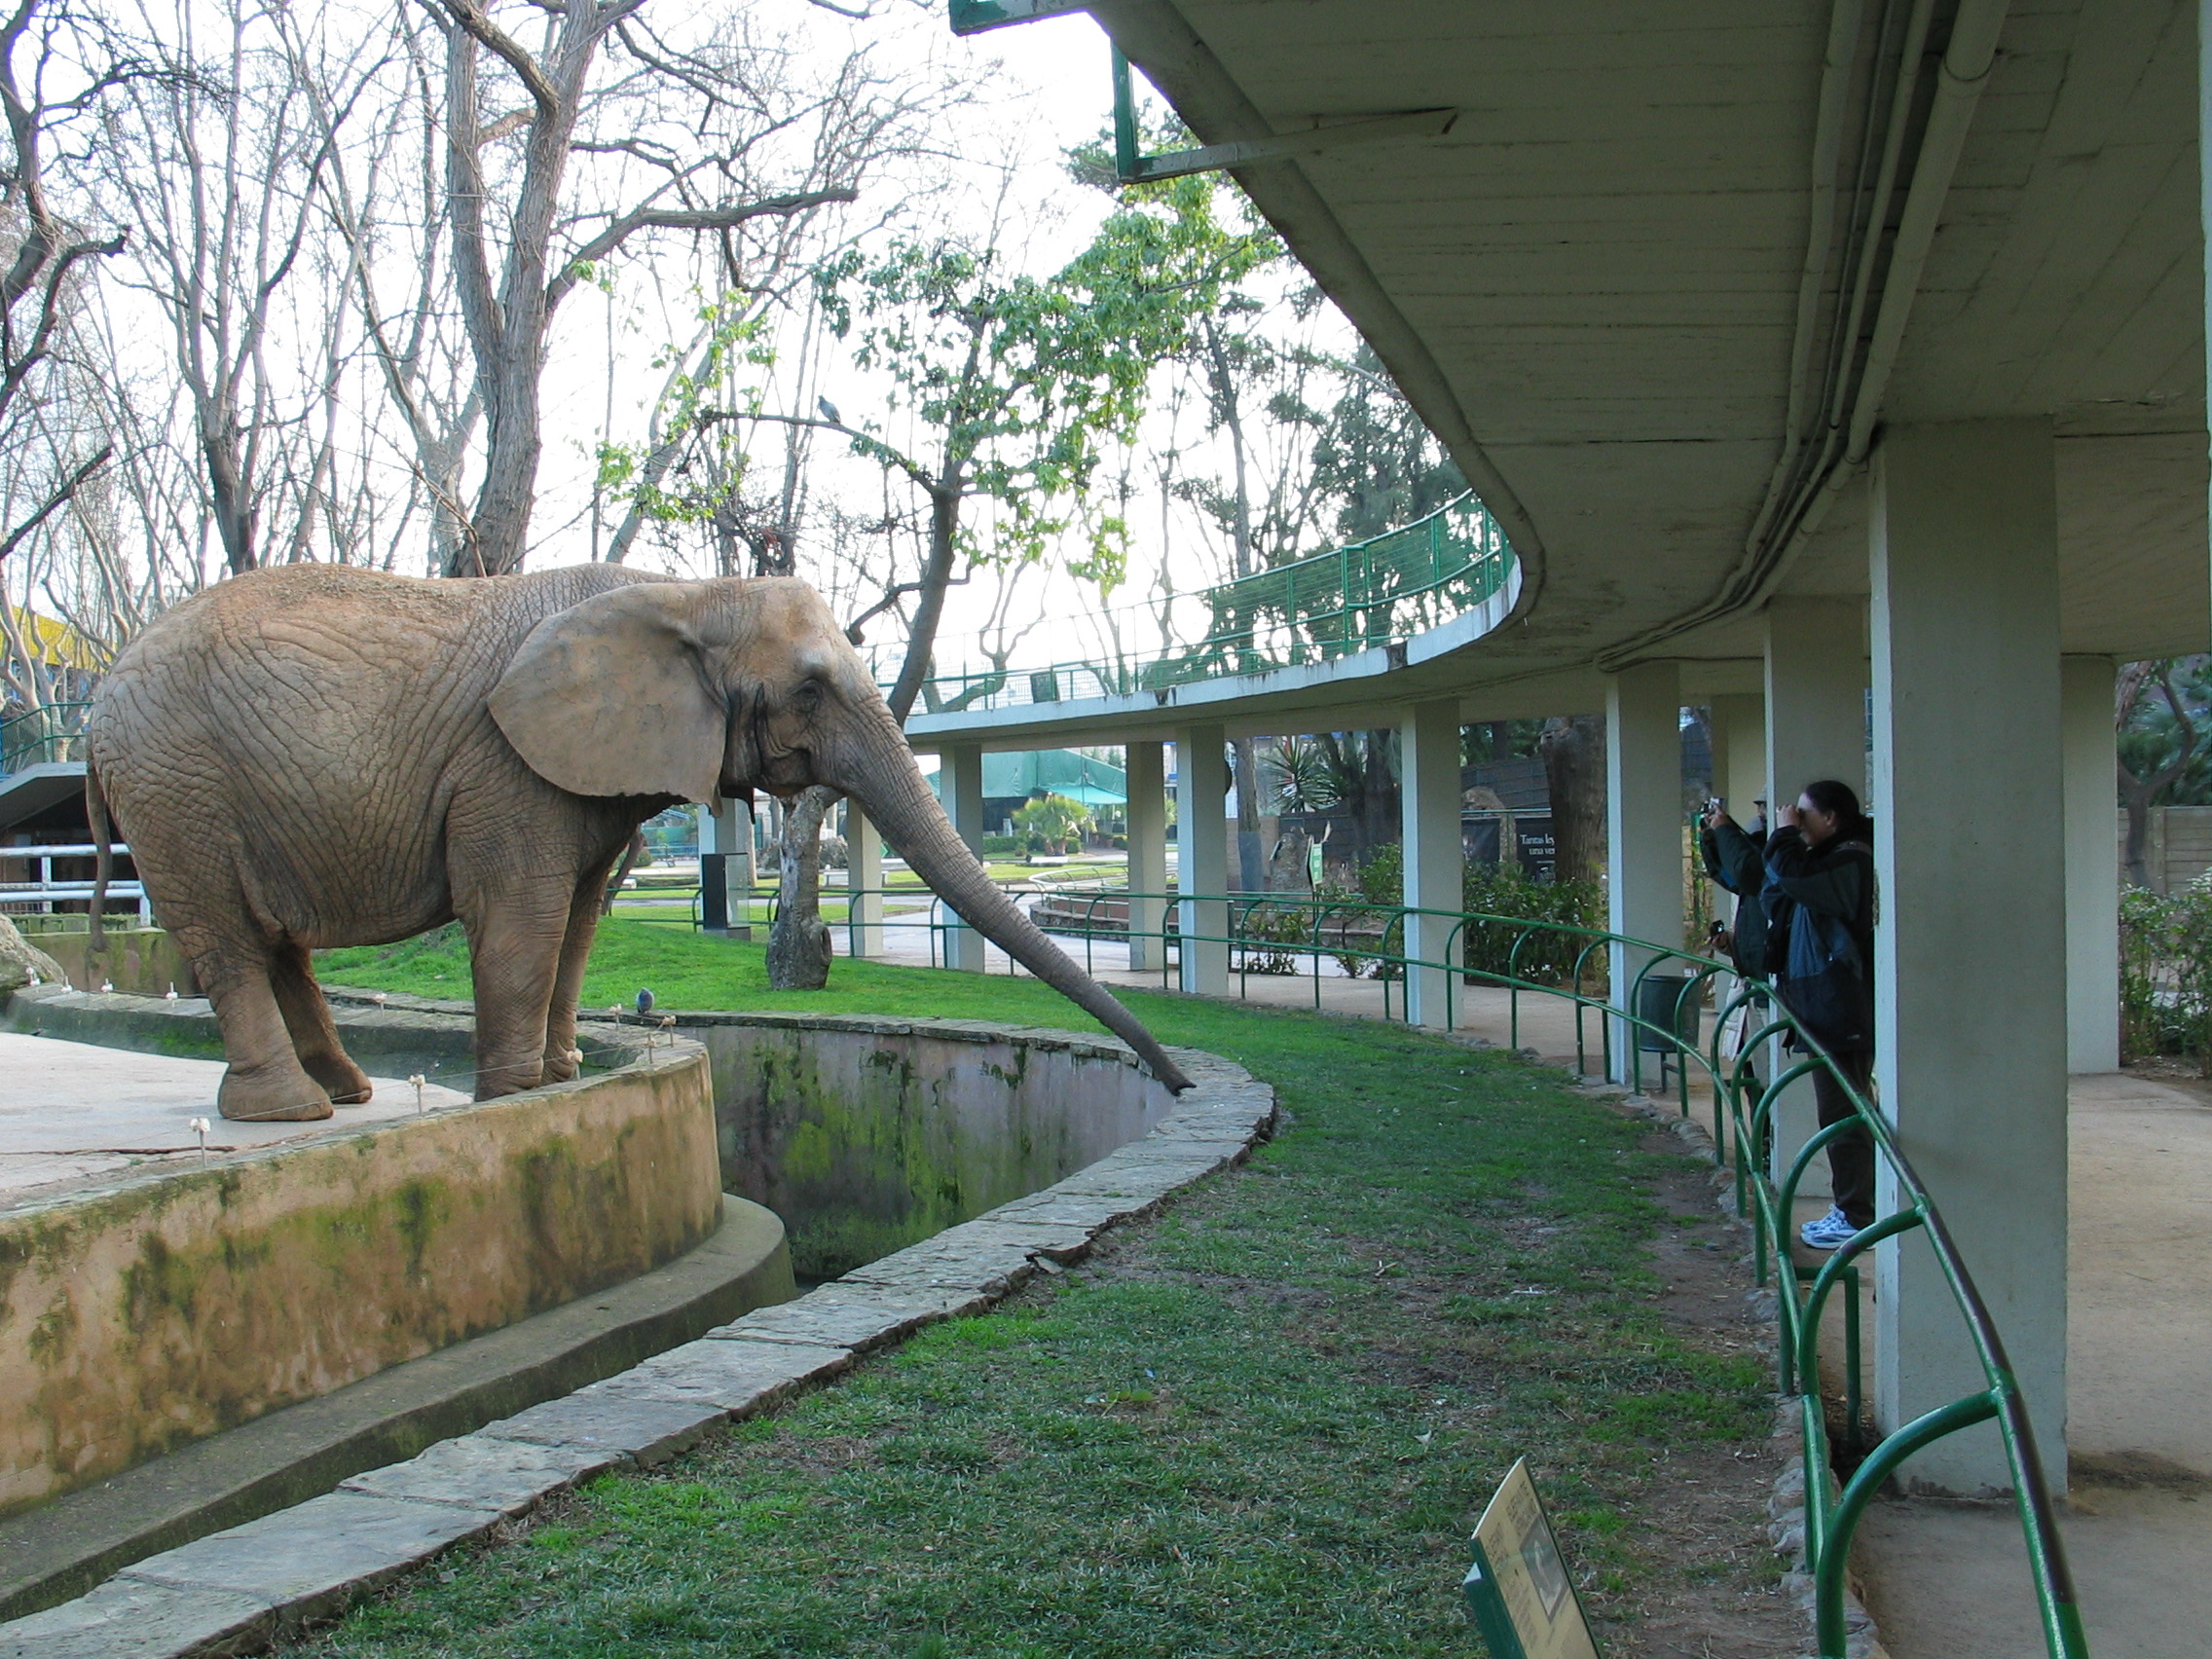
2089 745
960 781
725 869
1435 858
1201 855
1147 784
1815 694
1816 727
1645 824
864 882
1971 953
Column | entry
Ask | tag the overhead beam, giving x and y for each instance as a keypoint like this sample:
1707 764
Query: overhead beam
978 17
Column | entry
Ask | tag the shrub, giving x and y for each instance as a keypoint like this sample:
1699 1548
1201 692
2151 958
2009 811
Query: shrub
1545 958
1272 937
1051 823
2165 974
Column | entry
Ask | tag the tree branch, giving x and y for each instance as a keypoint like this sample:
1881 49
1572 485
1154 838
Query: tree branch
488 34
67 487
872 444
680 219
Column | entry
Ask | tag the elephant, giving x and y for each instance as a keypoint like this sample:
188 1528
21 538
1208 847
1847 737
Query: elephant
317 755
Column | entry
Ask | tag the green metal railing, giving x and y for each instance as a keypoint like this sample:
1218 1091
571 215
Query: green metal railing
1559 959
1370 594
54 732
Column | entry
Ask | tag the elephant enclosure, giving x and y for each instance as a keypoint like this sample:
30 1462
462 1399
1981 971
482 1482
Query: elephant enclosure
149 1302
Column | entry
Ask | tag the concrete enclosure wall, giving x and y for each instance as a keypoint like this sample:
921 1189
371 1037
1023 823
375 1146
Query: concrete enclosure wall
143 962
173 1304
868 1135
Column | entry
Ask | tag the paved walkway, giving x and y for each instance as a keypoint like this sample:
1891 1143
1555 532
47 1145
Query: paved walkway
71 1112
1947 1582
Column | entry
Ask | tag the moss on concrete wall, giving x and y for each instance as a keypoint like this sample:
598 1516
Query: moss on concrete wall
175 1304
143 962
868 1135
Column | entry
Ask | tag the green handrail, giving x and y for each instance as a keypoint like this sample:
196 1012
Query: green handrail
41 735
1355 597
1743 1116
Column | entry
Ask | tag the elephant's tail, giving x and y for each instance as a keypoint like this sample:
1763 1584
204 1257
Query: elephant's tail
104 868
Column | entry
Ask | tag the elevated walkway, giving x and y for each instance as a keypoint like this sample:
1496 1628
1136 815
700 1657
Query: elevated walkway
1306 639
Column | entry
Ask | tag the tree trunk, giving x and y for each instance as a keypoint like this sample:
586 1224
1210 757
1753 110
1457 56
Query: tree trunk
2137 799
1250 856
1573 748
1379 817
798 943
929 604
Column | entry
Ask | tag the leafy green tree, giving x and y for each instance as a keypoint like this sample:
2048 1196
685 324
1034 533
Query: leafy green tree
2162 707
1018 382
1374 456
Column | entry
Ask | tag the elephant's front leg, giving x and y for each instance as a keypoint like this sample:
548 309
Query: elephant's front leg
515 936
560 1060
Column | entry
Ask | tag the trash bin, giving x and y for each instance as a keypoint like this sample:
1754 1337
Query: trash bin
1657 1010
1656 1007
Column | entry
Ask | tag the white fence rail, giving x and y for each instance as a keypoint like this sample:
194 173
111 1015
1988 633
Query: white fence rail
39 897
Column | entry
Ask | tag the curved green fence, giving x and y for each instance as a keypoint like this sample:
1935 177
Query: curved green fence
1370 594
1556 960
52 733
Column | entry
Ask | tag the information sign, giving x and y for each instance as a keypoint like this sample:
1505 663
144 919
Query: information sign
1518 1590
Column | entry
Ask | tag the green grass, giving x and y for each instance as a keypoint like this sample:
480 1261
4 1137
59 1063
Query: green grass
1263 1424
686 970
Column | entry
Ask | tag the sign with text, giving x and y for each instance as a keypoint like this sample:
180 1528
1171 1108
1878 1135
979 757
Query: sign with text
1518 1590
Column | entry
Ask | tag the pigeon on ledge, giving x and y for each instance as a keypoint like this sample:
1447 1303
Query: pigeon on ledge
645 1002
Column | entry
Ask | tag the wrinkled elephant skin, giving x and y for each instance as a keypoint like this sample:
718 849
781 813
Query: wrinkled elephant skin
319 756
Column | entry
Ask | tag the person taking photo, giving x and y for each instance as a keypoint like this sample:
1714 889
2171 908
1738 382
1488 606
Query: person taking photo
1819 902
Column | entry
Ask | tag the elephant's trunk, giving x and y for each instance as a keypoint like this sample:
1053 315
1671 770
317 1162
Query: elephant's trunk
891 790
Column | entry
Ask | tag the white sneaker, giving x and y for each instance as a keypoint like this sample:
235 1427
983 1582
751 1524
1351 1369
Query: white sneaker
1830 1233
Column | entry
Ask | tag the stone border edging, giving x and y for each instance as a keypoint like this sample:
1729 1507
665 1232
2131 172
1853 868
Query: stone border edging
236 1592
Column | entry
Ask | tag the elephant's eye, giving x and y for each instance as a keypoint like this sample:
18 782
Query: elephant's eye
808 696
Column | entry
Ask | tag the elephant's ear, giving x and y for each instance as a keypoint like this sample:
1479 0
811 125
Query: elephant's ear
610 697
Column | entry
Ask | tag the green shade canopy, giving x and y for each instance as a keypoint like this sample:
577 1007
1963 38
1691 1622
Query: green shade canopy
1056 771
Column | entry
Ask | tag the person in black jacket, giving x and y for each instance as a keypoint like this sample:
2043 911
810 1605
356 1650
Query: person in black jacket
1735 859
1819 903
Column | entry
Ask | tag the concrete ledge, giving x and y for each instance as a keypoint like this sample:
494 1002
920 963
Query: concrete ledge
63 1547
171 1300
231 1593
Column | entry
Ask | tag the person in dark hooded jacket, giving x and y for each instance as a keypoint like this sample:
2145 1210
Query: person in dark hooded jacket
1735 859
1819 903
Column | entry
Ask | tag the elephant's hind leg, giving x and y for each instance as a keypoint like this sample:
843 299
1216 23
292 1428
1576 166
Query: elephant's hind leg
307 1016
265 1081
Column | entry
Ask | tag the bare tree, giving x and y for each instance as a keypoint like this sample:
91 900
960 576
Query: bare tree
46 461
520 246
219 169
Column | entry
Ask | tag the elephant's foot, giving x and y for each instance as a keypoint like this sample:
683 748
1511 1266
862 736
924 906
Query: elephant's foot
271 1095
346 1083
499 1078
562 1064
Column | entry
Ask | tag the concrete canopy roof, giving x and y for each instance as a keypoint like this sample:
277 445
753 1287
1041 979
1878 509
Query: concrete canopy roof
1652 265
